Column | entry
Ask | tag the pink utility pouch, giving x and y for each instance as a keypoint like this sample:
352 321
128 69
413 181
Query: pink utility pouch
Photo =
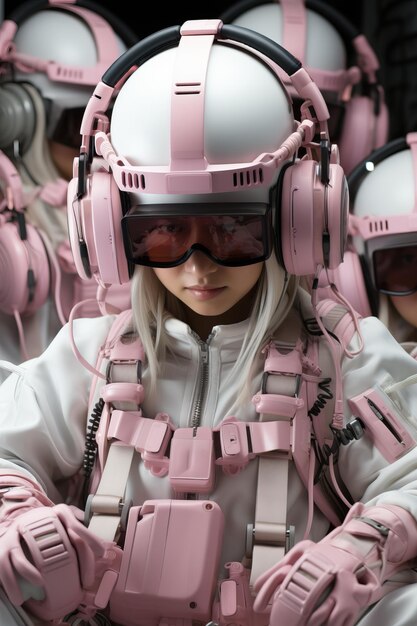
170 562
191 464
382 424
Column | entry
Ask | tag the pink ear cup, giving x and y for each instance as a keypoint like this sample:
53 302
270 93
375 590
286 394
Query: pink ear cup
337 214
96 219
297 223
16 257
78 213
304 217
107 216
362 132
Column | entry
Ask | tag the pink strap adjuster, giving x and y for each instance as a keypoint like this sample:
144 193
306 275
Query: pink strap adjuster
242 441
234 445
288 362
123 392
148 436
276 404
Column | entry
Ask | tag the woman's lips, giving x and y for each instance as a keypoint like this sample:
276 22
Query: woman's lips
205 293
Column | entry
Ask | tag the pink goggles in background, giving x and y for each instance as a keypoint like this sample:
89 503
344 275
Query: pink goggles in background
166 235
395 270
390 250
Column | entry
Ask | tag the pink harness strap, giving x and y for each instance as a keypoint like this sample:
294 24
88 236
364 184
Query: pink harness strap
283 433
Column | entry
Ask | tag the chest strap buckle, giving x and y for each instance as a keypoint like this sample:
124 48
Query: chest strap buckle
241 441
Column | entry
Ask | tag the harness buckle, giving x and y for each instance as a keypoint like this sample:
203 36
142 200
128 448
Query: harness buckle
269 534
158 438
191 463
107 505
235 445
123 392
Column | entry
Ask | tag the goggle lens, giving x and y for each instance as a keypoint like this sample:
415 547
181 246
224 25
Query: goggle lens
67 129
395 270
167 240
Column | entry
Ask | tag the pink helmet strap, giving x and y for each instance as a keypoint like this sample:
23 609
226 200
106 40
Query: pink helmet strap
294 27
187 104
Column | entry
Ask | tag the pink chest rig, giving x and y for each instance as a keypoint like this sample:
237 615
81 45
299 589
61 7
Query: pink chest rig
168 573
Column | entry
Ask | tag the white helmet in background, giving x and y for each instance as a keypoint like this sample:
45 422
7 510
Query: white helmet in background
206 125
61 50
339 59
51 56
379 273
243 117
383 224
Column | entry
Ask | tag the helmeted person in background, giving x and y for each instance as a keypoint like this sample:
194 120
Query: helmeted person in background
51 56
339 58
250 455
379 276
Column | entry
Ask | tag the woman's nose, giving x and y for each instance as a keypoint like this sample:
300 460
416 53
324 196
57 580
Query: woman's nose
200 263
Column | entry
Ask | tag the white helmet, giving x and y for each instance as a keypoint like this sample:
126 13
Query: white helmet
246 112
339 59
378 275
384 216
206 119
62 50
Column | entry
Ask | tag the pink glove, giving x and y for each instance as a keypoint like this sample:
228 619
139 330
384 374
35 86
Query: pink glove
335 580
48 547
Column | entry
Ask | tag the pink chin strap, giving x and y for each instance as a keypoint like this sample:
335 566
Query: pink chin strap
105 41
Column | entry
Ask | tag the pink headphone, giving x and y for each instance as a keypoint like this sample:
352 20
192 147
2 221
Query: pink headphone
365 121
97 200
353 277
25 276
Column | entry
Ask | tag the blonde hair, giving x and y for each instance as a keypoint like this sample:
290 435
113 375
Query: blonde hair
152 304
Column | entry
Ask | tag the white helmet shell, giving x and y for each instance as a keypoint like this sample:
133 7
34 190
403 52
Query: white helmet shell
339 59
388 188
247 112
267 19
65 38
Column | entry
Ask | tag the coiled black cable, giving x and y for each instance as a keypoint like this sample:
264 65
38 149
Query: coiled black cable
90 450
322 398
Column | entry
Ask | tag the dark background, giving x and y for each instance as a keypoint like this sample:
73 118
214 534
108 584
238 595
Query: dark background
389 25
172 13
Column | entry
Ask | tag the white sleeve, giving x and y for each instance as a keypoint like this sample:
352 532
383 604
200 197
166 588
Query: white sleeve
384 364
43 411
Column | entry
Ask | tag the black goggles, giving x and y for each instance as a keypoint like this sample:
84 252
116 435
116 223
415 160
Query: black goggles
64 126
234 234
66 130
394 268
